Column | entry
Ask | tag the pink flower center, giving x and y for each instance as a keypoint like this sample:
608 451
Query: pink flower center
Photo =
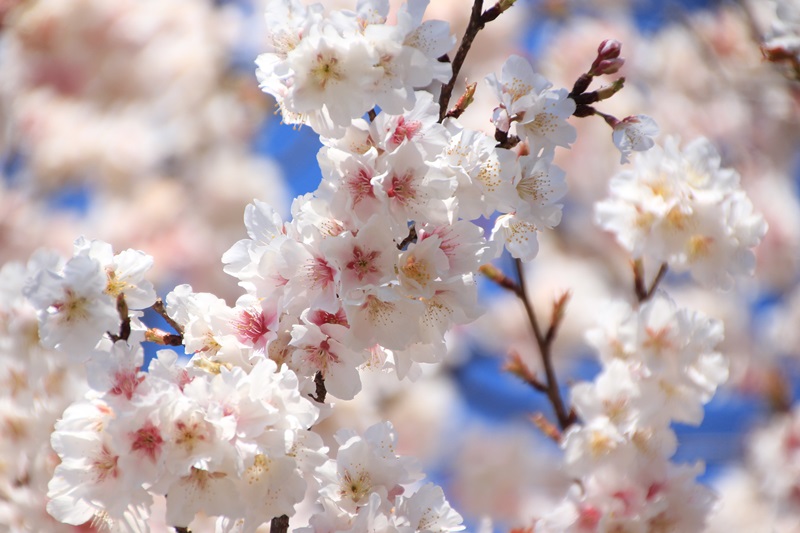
147 440
105 466
251 326
402 188
359 184
405 130
363 263
126 382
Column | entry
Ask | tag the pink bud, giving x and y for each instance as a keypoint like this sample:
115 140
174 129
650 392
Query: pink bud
607 60
608 66
609 49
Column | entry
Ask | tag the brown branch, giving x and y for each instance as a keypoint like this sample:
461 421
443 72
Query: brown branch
159 308
477 20
662 271
321 391
162 337
179 529
372 115
516 366
559 310
125 320
473 27
544 342
411 237
638 280
644 293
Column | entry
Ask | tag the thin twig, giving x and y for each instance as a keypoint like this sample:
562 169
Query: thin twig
559 306
473 27
477 20
162 337
644 293
565 418
516 366
321 390
159 308
411 237
125 320
638 280
662 271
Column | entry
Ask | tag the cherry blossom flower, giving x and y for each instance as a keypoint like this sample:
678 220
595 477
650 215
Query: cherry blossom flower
526 98
634 134
681 208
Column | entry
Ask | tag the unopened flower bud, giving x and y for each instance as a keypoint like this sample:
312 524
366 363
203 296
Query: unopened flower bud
607 66
609 49
607 60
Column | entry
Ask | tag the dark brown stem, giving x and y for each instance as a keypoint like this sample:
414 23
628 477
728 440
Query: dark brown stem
545 341
159 308
559 308
279 524
662 271
372 115
125 320
179 529
319 382
582 111
580 86
643 292
504 140
473 27
638 280
411 237
477 20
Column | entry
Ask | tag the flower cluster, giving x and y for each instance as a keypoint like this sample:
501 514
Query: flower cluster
228 435
326 70
114 90
231 444
659 367
527 101
36 385
379 262
774 453
364 490
76 300
679 207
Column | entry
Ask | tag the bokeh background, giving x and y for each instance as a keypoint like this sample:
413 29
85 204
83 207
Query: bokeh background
139 122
